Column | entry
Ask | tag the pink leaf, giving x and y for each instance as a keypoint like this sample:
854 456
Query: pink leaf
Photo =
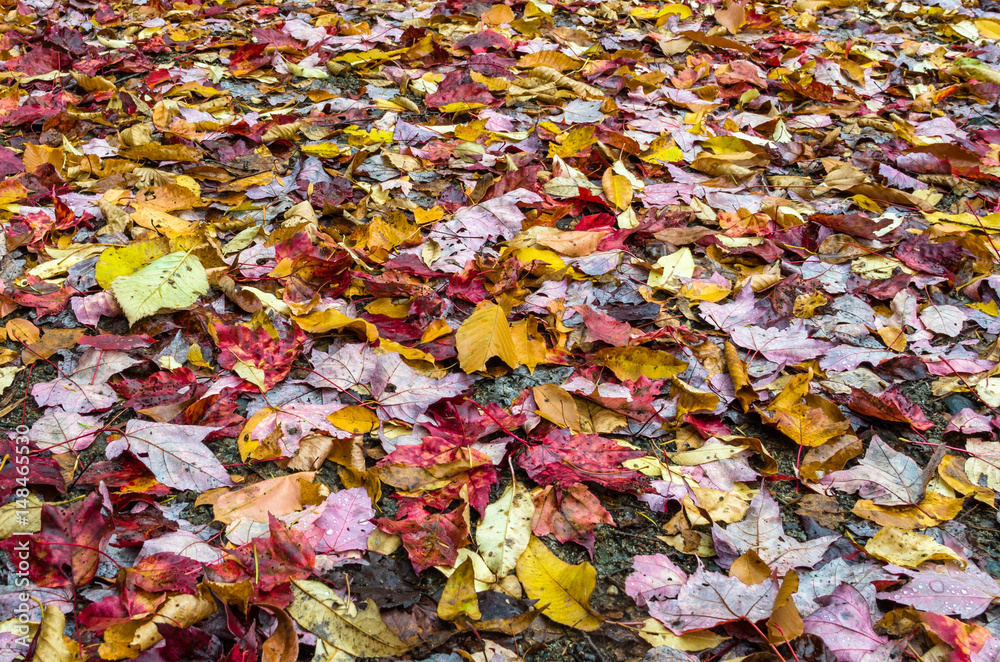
174 453
844 624
710 598
346 521
946 590
654 577
762 532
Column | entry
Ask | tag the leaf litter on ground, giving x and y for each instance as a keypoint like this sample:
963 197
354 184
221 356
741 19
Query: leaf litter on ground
497 331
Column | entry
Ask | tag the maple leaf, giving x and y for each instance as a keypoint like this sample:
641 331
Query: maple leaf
85 388
762 532
349 368
844 623
884 476
345 521
566 459
570 514
654 577
174 453
256 356
944 589
483 335
430 538
708 599
69 546
403 393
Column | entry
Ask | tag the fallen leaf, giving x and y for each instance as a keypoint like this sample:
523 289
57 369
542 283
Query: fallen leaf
844 623
505 530
482 336
354 630
172 282
909 549
458 599
562 590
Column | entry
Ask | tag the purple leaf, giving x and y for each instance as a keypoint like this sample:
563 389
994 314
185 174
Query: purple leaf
403 393
349 367
946 590
174 453
710 598
763 532
791 345
346 521
946 320
844 624
885 476
86 388
741 312
654 577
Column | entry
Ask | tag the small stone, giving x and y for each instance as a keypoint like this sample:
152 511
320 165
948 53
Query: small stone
613 590
956 403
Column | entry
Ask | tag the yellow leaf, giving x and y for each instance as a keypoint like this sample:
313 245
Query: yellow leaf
633 362
551 59
435 213
529 343
952 472
498 15
785 623
617 189
242 184
354 418
355 629
652 12
932 511
573 142
893 337
482 336
37 155
14 518
909 549
988 29
505 529
323 150
556 405
562 590
532 253
679 264
438 329
461 107
163 222
656 634
127 639
323 321
458 599
705 291
12 191
51 645
172 282
251 448
412 353
663 150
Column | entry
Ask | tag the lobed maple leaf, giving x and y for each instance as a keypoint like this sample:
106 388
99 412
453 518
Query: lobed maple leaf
566 459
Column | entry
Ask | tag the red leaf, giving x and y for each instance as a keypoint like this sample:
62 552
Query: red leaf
429 538
569 514
566 459
68 548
